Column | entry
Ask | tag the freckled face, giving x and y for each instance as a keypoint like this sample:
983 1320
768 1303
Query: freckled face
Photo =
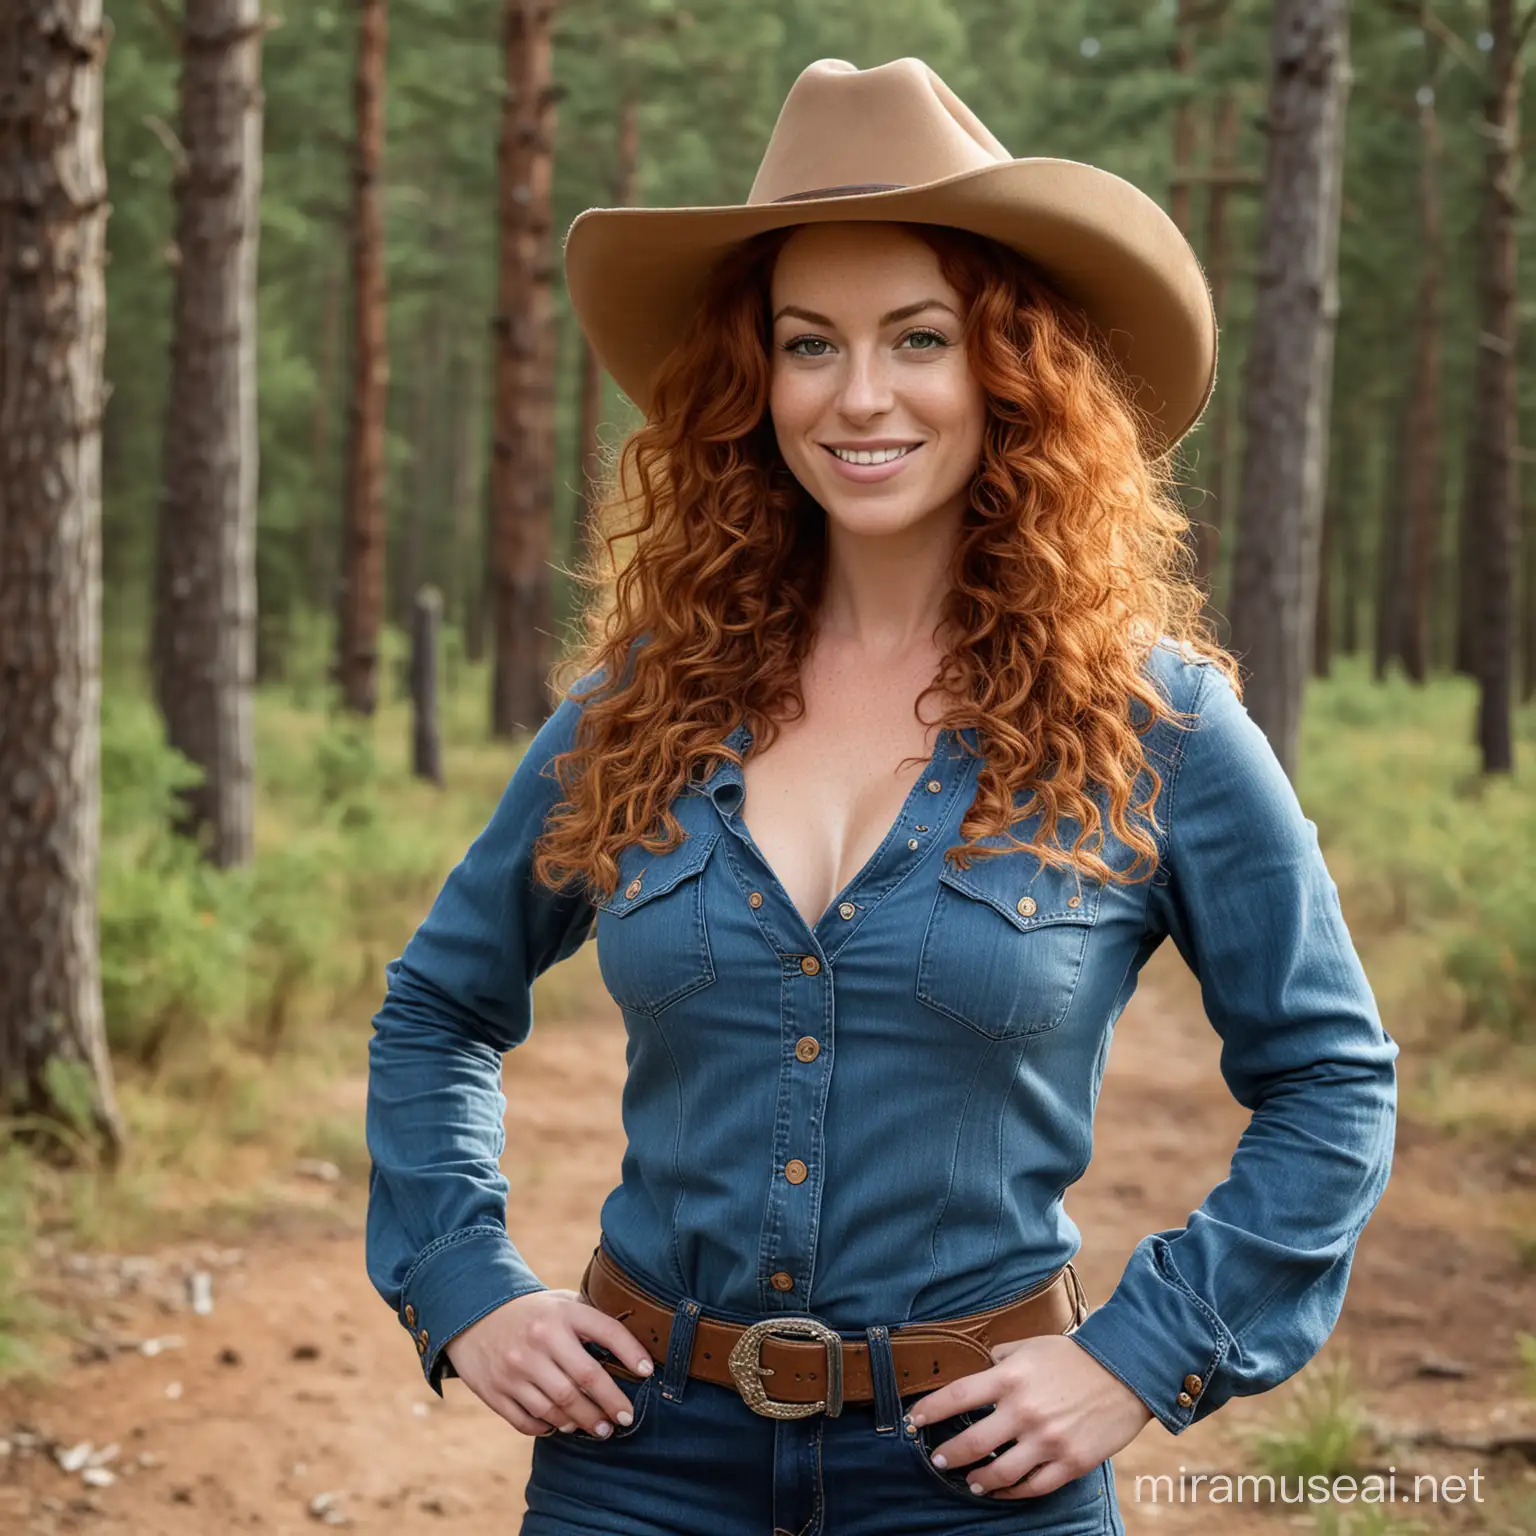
867 355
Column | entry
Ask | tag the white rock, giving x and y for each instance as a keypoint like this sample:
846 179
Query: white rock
200 1292
173 1390
76 1457
98 1477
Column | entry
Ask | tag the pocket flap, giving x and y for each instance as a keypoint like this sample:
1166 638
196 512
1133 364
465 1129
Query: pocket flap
643 874
1027 895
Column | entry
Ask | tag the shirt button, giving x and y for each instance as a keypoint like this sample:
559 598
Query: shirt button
421 1345
755 899
1027 905
911 842
633 888
781 1281
807 1048
1193 1385
795 1171
1185 1400
810 965
934 786
846 909
410 1315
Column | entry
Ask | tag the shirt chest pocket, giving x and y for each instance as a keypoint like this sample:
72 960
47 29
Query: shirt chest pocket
652 937
1005 944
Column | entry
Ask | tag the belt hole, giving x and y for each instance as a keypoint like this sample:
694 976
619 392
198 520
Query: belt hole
707 1355
935 1367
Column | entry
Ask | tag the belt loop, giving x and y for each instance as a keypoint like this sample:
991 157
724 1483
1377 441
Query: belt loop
882 1378
674 1376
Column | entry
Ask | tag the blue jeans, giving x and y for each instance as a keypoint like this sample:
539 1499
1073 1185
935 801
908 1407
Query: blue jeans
697 1461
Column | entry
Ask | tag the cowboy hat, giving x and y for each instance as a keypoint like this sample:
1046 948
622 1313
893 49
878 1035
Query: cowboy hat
895 143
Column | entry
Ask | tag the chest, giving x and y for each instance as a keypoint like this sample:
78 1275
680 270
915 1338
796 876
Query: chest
822 798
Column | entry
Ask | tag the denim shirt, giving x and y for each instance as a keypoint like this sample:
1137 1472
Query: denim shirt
876 1119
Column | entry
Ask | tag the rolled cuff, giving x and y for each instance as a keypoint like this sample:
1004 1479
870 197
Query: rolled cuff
1160 1339
455 1282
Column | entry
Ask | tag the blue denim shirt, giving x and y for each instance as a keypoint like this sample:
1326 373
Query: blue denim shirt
876 1119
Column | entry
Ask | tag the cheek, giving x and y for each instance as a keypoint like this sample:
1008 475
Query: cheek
795 408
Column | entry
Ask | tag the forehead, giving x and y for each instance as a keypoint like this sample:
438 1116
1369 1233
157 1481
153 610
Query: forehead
857 264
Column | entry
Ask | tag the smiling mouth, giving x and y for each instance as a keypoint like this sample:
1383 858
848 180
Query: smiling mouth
872 455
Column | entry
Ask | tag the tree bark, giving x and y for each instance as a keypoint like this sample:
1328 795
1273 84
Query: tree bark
1289 376
362 566
205 561
54 1065
522 463
1425 457
588 466
1493 481
1218 267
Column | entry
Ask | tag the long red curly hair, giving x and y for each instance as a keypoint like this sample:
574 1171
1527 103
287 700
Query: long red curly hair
1072 561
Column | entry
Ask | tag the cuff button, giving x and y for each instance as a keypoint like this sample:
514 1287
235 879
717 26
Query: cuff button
1185 1400
1193 1385
421 1344
410 1315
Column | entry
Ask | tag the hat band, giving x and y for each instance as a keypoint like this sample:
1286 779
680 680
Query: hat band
853 190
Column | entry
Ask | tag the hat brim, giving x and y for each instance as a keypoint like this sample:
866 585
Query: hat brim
636 275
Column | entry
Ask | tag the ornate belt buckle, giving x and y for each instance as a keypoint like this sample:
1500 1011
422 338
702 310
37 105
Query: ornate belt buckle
748 1370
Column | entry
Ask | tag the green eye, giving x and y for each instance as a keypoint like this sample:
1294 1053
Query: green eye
926 336
800 341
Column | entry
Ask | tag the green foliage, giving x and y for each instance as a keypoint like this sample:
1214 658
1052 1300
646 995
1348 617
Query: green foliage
1421 841
1321 1432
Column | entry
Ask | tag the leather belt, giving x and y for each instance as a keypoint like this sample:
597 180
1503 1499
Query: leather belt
823 1371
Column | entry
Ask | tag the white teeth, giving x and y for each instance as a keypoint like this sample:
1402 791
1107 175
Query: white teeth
877 456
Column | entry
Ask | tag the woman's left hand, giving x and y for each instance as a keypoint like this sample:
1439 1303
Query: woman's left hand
1066 1412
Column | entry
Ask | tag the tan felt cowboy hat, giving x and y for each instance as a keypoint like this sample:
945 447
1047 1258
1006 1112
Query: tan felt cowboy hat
895 143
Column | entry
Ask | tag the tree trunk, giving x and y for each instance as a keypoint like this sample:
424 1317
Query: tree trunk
1183 121
1218 266
1289 377
53 215
522 466
1392 550
588 465
1494 439
1425 466
362 565
319 553
1350 521
205 559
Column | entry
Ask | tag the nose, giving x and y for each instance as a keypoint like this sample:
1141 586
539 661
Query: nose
866 385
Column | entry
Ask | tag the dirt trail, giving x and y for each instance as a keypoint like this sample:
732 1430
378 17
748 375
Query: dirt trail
301 1384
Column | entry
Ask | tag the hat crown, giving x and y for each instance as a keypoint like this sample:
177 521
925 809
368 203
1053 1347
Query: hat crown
895 125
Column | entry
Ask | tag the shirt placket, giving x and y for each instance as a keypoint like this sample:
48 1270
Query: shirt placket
807 1003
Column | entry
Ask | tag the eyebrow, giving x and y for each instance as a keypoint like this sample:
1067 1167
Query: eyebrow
904 313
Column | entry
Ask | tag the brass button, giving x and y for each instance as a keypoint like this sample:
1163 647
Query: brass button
1185 1400
421 1346
810 965
1027 905
781 1281
1193 1385
755 899
421 1338
846 909
795 1171
807 1048
410 1315
1074 901
934 786
911 842
633 888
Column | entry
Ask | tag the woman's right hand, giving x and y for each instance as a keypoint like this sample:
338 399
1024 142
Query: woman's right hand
525 1360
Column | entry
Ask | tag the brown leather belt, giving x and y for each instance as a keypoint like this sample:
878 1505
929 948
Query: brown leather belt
825 1371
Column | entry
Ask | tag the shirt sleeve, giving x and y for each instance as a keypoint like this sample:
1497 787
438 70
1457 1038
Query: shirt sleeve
1248 1291
458 998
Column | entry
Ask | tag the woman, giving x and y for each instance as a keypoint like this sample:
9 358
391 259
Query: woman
908 414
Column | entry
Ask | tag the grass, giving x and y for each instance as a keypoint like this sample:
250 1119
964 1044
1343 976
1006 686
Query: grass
239 1004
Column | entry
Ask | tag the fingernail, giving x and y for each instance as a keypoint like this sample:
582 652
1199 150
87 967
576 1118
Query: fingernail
977 1488
567 1429
644 1368
938 1460
626 1418
605 1428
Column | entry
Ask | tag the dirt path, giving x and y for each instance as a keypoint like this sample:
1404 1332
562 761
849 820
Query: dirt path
299 1393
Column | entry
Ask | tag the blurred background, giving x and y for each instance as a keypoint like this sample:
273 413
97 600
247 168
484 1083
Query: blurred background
284 348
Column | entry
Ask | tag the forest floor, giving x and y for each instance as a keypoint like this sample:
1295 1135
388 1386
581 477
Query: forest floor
297 1400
